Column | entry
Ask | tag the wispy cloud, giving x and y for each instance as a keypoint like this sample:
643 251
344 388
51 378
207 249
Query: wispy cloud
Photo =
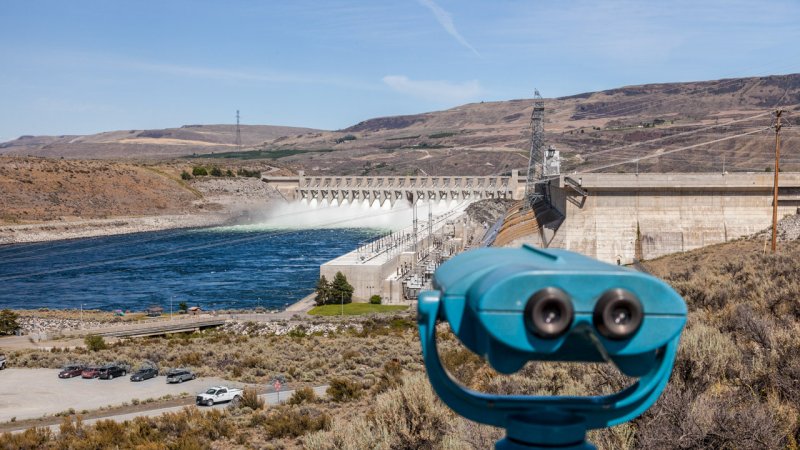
441 91
258 76
446 21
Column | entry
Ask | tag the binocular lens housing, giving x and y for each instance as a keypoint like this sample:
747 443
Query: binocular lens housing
549 313
618 314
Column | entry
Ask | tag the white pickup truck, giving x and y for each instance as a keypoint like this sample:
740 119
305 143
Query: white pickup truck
2 361
218 394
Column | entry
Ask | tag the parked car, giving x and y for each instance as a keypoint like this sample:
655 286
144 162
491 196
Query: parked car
71 370
144 373
90 372
2 362
180 375
111 371
218 394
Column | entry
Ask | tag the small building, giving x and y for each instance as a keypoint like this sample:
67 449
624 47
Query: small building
154 311
194 310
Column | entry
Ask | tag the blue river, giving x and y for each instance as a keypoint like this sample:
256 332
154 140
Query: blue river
214 268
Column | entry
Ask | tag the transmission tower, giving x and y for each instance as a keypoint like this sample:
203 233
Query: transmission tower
533 190
238 133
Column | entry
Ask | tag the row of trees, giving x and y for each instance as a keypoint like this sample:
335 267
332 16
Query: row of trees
334 292
200 171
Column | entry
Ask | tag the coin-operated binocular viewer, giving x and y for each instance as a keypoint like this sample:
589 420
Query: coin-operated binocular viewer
512 306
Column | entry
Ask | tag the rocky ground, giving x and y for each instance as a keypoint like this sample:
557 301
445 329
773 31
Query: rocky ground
788 229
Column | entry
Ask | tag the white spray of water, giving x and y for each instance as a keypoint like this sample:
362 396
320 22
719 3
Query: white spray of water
312 214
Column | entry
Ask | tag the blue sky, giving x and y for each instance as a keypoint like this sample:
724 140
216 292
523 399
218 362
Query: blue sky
78 67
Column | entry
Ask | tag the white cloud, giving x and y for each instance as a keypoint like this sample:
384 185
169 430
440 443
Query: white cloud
446 21
441 91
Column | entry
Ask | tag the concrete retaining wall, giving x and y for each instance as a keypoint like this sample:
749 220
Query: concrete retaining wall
628 216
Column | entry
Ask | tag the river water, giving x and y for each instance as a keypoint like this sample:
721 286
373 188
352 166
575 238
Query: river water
215 268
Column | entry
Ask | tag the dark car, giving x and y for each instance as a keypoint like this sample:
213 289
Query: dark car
90 372
111 371
144 374
72 370
180 375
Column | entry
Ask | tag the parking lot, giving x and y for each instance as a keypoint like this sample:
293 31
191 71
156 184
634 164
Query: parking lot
33 393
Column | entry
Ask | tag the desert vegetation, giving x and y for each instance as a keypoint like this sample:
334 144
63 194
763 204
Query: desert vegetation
736 382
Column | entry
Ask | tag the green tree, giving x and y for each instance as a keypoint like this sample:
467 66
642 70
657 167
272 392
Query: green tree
183 307
341 291
8 322
185 175
375 299
323 291
95 343
216 172
199 171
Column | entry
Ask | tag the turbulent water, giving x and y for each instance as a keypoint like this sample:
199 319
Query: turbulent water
231 267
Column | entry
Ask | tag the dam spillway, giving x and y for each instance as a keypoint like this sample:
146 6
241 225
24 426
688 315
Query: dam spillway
392 189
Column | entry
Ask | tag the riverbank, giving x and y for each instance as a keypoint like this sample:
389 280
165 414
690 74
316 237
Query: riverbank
58 230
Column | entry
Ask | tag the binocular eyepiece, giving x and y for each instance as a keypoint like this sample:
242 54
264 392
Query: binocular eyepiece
512 306
617 315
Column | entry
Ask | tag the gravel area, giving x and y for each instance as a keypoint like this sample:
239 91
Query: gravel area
33 393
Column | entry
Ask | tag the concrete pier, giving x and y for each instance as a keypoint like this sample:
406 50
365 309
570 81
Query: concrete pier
379 267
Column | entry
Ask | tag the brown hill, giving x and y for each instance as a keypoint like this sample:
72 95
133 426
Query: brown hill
591 130
41 189
166 143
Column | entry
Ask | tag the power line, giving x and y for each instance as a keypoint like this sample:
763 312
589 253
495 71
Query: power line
666 152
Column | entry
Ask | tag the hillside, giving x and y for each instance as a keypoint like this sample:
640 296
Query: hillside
493 137
33 190
166 143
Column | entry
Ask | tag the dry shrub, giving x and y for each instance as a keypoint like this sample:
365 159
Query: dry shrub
706 356
391 377
251 400
410 416
30 439
302 395
295 422
344 390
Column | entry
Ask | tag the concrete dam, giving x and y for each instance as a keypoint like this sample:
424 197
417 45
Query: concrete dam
397 188
618 218
625 217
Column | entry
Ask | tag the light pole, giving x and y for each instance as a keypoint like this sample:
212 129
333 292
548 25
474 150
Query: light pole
81 315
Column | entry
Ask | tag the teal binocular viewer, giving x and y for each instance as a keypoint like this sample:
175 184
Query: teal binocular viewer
512 306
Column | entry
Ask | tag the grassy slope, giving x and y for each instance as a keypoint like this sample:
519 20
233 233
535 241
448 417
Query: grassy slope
354 309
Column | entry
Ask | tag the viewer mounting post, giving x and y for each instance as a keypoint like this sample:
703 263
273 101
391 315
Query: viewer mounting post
775 184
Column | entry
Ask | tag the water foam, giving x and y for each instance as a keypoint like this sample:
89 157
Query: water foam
312 214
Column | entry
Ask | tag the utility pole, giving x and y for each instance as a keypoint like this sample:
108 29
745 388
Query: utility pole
238 133
775 184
